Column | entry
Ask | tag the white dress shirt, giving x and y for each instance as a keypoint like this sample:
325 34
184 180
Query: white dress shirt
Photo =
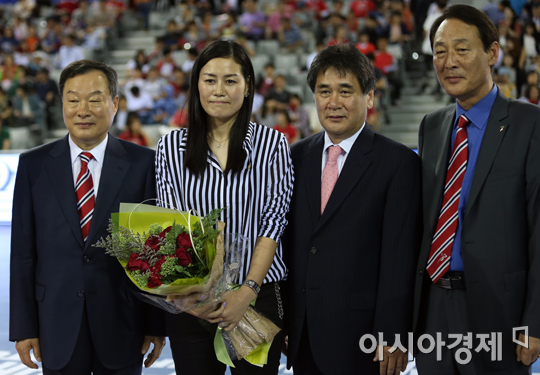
94 165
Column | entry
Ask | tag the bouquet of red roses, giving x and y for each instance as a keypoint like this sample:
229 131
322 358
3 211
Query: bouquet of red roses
164 251
175 254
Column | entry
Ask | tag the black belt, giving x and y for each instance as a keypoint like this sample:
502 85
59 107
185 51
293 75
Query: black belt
452 280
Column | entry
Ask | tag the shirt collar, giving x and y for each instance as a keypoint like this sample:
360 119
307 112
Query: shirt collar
97 152
346 144
479 113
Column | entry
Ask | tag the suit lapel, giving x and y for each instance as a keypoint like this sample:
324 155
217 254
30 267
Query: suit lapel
113 172
311 165
354 168
59 169
490 146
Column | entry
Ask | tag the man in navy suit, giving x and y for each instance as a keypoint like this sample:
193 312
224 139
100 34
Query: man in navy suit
351 245
71 303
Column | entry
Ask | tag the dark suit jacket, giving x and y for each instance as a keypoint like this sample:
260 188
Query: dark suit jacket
500 240
352 269
54 274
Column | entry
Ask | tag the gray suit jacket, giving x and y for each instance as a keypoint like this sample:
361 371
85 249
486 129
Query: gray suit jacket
501 227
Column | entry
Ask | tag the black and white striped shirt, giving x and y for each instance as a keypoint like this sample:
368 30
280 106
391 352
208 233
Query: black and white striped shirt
257 198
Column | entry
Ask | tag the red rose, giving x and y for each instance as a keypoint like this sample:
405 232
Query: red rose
184 258
154 280
157 266
184 241
135 263
153 242
164 232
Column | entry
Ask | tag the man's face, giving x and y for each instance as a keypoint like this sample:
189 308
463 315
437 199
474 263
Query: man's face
341 104
463 67
88 108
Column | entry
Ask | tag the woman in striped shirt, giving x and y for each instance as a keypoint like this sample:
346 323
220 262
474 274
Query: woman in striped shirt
224 160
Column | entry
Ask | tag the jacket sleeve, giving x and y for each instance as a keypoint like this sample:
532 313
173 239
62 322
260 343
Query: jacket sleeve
23 310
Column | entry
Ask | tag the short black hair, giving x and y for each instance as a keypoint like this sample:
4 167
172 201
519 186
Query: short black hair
487 31
82 67
345 58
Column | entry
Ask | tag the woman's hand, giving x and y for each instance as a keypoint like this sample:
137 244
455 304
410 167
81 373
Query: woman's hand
190 304
233 308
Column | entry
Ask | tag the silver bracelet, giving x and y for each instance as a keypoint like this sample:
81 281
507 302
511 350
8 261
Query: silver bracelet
253 285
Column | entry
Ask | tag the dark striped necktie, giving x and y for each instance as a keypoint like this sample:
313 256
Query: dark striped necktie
441 245
84 190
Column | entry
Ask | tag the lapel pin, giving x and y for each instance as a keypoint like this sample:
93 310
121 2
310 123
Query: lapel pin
502 128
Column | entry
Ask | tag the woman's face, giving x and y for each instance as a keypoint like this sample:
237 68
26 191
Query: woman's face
222 89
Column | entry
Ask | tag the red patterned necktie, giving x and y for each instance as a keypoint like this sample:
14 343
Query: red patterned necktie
441 245
84 190
330 175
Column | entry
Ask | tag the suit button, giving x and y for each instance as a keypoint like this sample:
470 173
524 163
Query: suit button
421 272
86 259
80 294
304 289
313 250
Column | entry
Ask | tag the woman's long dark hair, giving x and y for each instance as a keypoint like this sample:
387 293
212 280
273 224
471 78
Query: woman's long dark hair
199 122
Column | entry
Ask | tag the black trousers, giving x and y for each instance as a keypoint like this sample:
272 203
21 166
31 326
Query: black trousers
84 360
447 314
192 342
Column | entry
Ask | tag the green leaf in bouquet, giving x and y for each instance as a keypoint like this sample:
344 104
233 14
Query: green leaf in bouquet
167 248
155 229
168 268
140 278
121 242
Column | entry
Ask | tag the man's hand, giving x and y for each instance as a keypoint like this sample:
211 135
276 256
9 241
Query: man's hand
528 356
159 343
393 363
23 348
285 345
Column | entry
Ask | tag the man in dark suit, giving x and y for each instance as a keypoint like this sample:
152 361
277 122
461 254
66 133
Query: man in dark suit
480 257
71 303
353 229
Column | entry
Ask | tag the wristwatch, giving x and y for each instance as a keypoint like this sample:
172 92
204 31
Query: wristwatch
253 285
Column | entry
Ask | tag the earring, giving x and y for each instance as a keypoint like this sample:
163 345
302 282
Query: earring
247 95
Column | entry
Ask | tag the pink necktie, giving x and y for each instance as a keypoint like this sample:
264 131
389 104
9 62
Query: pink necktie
84 190
441 245
330 175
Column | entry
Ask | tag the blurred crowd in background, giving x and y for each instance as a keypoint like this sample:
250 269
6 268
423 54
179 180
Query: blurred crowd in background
39 38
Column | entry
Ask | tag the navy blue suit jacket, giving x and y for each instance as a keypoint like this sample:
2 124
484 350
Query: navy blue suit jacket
55 275
352 269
